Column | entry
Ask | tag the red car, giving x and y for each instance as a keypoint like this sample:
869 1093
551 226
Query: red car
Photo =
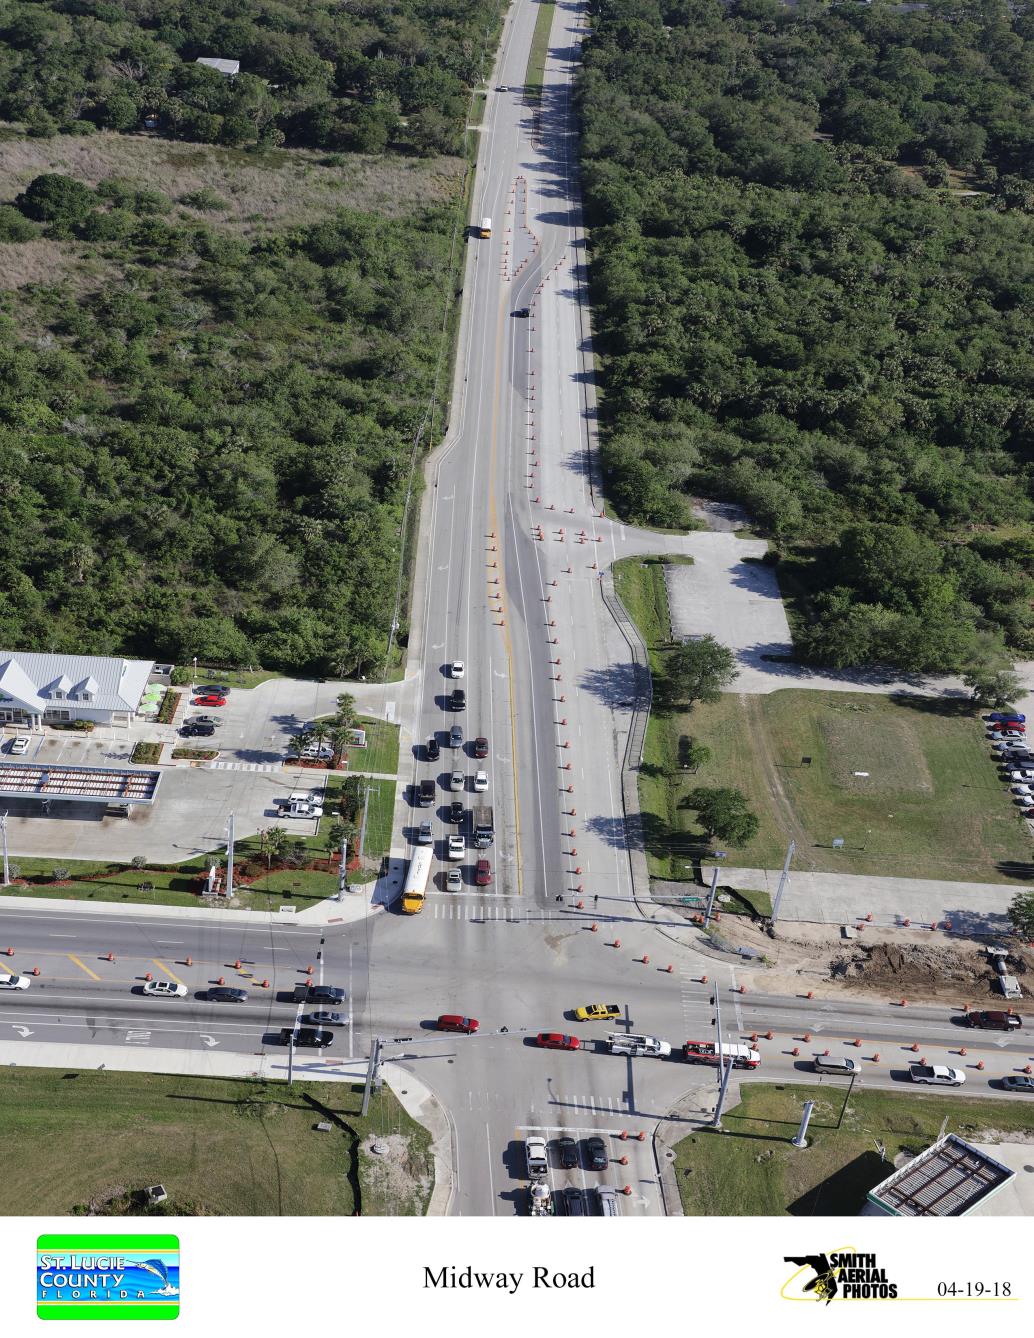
210 699
453 1022
483 875
481 747
556 1040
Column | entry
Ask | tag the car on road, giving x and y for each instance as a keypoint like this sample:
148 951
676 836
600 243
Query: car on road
557 1040
227 994
993 1019
164 989
457 669
1018 1082
458 700
457 780
19 744
481 746
483 873
456 736
456 846
596 1153
454 880
14 982
314 1037
836 1064
209 699
597 1012
522 313
456 811
325 1018
197 729
432 752
425 835
938 1075
329 994
566 1151
480 781
456 1022
572 1202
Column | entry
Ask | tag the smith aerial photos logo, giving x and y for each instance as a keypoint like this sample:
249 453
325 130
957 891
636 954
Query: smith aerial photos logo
107 1277
843 1275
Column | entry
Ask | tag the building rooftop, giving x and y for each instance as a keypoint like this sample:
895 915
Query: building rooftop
37 680
949 1179
218 63
91 785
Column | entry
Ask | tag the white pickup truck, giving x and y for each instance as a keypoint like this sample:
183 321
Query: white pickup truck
938 1074
302 805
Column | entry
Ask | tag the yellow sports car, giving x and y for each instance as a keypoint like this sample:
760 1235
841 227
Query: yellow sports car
597 1012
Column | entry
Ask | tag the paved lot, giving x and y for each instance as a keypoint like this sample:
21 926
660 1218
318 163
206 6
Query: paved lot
194 800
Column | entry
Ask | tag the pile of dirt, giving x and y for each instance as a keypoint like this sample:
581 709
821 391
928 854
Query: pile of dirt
395 1182
923 970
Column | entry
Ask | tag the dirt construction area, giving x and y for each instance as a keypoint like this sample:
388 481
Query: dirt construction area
890 964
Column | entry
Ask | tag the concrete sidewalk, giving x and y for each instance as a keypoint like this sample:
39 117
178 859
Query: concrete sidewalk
368 899
843 898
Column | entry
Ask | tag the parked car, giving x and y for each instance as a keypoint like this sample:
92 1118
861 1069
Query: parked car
227 994
456 736
480 781
1007 715
483 873
566 1151
216 689
209 699
456 846
455 1022
454 880
431 752
197 730
556 1040
457 669
1018 1082
14 982
572 1201
164 989
481 746
993 1019
19 744
597 1012
596 1153
457 780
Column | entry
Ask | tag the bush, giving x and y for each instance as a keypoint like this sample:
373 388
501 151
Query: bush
14 226
61 201
204 199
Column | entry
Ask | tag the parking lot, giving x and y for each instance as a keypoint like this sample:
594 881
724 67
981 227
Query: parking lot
195 799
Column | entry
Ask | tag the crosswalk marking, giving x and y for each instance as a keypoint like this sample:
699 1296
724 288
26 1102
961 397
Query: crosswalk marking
467 910
244 766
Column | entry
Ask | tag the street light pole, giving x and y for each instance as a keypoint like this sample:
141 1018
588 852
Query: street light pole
229 857
3 832
784 878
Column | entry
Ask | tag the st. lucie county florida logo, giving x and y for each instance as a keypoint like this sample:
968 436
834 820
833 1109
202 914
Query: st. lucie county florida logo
107 1277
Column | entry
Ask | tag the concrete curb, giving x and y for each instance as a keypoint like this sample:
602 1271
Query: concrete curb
359 906
421 1104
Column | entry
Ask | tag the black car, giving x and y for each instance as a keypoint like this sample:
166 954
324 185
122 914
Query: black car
567 1152
433 751
314 1037
211 689
227 994
523 312
596 1154
202 730
456 811
459 699
572 1202
330 994
456 736
1018 1082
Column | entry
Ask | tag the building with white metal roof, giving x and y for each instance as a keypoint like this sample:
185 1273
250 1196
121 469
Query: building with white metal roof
228 67
950 1179
41 689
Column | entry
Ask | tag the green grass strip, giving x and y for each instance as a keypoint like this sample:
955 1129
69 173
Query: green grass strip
539 50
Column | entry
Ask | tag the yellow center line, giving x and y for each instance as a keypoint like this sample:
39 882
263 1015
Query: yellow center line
82 965
168 971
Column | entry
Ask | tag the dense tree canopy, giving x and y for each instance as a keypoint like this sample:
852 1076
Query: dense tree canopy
207 453
813 272
314 72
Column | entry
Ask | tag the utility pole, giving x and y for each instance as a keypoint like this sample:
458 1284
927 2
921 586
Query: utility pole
342 879
783 879
229 857
3 833
711 895
799 1139
290 1061
371 1073
724 1070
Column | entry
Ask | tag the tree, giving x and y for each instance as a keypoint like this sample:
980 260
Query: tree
346 716
698 670
996 688
274 842
61 201
1021 914
297 743
723 814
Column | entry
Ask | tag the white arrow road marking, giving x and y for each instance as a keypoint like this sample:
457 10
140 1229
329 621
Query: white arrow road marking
22 1031
138 1038
209 1040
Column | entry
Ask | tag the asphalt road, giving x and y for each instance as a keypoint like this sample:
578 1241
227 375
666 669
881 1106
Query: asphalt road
508 581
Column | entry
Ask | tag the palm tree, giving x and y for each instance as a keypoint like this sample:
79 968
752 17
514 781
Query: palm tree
346 716
339 741
297 744
274 842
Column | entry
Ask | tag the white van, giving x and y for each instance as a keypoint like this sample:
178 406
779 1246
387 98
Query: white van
618 1043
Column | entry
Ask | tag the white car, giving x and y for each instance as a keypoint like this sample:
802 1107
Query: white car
457 669
457 847
1021 775
454 881
481 781
165 989
14 982
1020 789
457 780
20 744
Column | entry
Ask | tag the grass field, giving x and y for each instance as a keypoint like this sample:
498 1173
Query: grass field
907 783
539 49
752 1170
226 1147
382 748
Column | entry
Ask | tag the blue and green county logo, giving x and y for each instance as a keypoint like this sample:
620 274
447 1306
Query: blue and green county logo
107 1277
